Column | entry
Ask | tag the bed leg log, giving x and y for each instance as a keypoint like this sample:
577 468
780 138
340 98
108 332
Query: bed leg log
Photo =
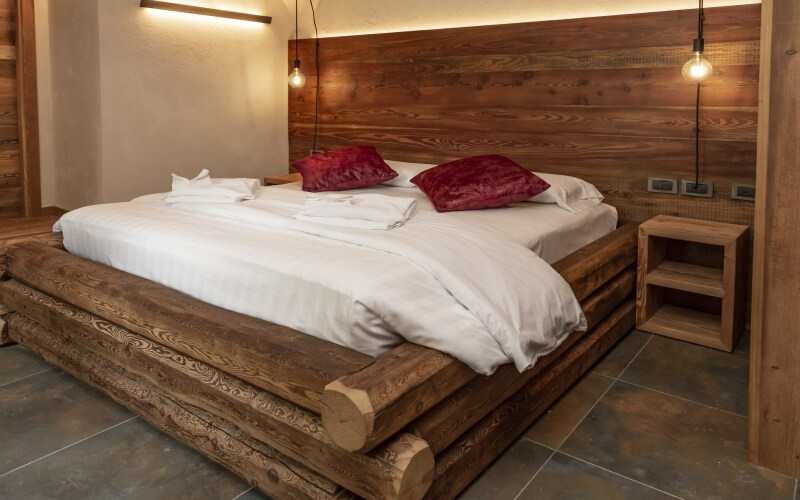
402 467
264 468
457 466
361 410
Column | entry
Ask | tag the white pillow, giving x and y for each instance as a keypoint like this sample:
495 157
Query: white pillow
570 193
405 172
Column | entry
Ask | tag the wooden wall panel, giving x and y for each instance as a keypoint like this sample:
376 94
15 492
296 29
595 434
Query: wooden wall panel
774 409
601 98
10 165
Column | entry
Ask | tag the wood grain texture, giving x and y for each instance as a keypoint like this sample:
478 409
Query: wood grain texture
27 96
457 466
599 98
363 409
397 469
774 408
264 468
278 359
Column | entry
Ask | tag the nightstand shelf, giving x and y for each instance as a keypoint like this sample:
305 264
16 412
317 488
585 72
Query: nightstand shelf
691 280
687 277
272 180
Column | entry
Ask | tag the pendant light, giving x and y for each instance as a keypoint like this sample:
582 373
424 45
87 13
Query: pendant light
296 78
697 69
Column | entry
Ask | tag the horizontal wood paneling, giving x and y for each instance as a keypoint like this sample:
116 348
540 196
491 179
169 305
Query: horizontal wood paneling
601 98
10 165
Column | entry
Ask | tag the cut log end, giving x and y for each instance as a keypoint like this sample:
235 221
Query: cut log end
418 464
348 416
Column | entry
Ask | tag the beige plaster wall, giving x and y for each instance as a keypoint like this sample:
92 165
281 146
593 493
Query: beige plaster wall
137 94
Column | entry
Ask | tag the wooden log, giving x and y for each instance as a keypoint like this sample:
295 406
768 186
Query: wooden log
477 448
5 312
264 468
401 468
361 410
589 267
448 420
283 361
48 238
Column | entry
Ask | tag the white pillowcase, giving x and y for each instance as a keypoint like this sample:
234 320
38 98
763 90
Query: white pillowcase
405 172
570 193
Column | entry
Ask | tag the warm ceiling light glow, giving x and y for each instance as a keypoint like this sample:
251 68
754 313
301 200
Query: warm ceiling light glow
204 11
696 69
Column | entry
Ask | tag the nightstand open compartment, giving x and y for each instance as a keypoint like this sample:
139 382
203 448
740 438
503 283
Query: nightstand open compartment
691 280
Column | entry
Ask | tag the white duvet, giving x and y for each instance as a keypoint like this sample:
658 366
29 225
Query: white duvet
440 280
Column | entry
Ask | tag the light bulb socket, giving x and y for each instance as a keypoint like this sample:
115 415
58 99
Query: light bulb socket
698 45
297 64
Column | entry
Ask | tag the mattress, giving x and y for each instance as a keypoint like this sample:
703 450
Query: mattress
465 283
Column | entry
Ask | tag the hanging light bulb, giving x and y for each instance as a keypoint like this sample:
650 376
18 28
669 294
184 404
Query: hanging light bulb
296 78
697 69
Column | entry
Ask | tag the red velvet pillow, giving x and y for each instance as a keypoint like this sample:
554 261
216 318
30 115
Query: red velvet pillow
348 168
478 182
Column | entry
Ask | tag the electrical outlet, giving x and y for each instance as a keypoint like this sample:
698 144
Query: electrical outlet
704 189
316 151
745 192
660 185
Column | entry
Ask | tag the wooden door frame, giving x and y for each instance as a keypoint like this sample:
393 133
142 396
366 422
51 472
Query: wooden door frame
28 110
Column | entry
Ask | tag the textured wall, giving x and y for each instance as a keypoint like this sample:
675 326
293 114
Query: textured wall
139 93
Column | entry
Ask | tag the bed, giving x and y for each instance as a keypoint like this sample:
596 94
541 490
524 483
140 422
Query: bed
296 415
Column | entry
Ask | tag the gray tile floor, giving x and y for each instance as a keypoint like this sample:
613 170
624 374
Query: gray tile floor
656 418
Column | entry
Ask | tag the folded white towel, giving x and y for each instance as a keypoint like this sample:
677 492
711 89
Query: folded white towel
204 189
201 179
362 211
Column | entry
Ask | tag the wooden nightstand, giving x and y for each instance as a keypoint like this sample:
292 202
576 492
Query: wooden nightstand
691 280
271 180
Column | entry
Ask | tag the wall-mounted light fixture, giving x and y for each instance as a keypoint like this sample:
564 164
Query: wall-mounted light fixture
204 11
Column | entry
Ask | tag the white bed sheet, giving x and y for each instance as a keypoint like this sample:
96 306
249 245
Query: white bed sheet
341 285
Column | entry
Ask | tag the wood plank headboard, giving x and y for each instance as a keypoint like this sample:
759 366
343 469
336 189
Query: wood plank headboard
601 98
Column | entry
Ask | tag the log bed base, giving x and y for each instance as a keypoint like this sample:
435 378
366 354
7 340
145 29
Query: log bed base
296 416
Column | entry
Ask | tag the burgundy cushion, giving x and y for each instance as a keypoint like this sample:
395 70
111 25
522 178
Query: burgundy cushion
348 168
478 182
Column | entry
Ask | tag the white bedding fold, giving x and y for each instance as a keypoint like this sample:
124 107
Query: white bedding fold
456 283
363 211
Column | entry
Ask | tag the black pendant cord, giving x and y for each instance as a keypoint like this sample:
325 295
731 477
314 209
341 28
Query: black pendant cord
697 137
296 58
700 19
316 65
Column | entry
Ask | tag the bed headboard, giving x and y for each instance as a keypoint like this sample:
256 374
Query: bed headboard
601 98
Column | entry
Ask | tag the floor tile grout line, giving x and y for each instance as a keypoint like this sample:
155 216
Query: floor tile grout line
553 452
242 493
683 399
619 377
27 377
68 446
796 486
620 475
586 415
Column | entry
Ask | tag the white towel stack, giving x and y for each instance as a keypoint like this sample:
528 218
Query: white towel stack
204 189
361 211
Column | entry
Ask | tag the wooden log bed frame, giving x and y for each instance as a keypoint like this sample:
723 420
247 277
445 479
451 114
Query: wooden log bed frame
296 416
